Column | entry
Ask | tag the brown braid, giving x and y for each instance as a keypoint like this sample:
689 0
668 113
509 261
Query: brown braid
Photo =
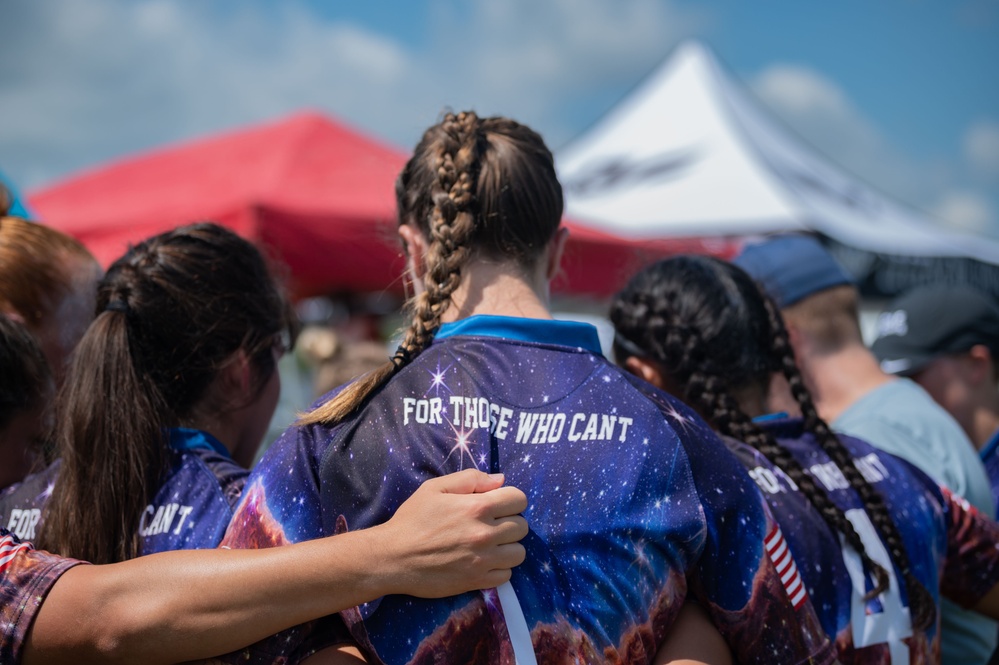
451 223
473 186
920 600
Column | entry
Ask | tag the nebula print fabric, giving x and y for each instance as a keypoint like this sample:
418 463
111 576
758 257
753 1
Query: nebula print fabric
990 458
630 495
951 546
26 575
190 510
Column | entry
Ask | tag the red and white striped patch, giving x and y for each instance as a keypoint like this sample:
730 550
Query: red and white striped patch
9 549
786 568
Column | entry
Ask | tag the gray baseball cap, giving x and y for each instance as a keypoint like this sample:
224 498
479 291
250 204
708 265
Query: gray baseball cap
933 321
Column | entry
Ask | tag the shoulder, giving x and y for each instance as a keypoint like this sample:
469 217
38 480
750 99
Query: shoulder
216 471
901 413
26 576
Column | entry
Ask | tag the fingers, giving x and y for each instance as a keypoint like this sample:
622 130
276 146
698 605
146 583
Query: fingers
510 555
502 560
468 481
510 529
503 502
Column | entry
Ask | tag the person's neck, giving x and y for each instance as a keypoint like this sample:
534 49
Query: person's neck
984 423
498 289
838 379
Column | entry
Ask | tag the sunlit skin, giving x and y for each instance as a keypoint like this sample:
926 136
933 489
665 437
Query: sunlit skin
965 385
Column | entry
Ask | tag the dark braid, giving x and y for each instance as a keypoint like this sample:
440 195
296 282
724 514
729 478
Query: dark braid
920 600
709 326
706 390
473 186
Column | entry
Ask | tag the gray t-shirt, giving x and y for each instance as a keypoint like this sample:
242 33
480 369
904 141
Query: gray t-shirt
901 418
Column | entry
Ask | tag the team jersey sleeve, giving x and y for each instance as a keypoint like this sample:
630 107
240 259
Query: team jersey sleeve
746 578
26 576
972 565
281 499
281 505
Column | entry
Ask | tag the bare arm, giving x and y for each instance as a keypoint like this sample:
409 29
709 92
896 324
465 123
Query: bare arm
693 640
453 535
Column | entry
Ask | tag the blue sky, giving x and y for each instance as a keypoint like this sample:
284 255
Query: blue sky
903 93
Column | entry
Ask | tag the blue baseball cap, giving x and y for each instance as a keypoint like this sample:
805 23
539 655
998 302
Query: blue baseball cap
792 267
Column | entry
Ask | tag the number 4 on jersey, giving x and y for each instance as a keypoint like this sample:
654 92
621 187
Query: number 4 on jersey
890 623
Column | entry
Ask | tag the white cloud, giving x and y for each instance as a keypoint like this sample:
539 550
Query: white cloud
822 114
966 210
981 148
800 90
82 83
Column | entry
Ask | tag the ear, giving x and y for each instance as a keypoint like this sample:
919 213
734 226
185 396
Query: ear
236 378
645 369
14 315
416 249
979 364
557 248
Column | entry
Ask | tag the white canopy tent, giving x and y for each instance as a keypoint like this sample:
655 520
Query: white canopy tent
690 153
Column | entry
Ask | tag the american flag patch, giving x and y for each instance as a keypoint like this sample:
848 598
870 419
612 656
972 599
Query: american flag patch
9 549
788 571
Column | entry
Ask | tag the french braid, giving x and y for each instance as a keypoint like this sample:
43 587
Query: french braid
455 159
920 600
706 390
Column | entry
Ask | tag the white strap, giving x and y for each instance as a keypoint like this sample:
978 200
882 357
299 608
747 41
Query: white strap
516 625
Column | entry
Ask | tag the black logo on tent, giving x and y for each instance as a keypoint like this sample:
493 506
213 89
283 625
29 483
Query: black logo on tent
615 172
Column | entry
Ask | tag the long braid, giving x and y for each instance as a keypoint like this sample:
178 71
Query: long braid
708 392
451 223
452 220
920 600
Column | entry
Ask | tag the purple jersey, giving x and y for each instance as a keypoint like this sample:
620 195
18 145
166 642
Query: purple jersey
630 495
190 510
26 575
950 546
990 458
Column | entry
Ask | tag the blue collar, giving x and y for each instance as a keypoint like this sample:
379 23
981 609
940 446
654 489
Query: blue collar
184 439
541 331
770 417
990 448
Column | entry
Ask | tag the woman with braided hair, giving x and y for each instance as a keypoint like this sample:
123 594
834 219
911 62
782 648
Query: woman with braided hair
701 328
625 521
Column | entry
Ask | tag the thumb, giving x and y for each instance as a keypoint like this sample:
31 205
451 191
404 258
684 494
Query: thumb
469 481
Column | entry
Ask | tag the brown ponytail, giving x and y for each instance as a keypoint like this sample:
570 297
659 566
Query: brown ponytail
171 313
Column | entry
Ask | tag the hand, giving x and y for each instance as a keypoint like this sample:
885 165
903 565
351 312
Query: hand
456 533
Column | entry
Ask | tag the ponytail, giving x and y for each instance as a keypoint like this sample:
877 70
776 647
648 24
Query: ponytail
172 313
106 410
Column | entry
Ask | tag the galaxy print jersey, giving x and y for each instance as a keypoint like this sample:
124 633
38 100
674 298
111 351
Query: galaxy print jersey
990 458
951 546
26 575
629 494
190 511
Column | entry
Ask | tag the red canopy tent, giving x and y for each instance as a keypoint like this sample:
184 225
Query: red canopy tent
309 191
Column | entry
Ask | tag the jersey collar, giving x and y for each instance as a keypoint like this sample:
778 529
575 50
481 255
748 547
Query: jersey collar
540 331
990 447
183 439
